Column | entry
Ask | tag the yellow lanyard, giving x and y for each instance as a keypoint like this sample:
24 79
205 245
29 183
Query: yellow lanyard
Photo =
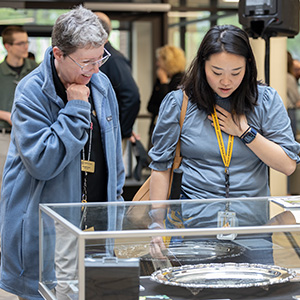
226 156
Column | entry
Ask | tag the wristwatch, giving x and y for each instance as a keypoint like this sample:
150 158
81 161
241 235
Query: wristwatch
248 137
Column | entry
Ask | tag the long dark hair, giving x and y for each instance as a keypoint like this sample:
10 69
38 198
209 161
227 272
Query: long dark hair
223 38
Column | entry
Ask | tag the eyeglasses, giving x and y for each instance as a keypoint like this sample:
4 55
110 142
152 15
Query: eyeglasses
20 43
90 65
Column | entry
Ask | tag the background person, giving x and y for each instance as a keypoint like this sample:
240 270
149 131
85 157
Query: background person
14 67
170 67
293 95
296 63
118 70
252 117
296 67
54 108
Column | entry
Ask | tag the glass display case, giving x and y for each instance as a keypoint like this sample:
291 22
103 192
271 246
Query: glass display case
245 248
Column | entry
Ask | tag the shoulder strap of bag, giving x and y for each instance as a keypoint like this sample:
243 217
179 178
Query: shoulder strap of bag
178 158
181 120
144 191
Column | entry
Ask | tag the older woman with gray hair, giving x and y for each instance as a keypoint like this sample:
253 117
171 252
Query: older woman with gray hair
64 112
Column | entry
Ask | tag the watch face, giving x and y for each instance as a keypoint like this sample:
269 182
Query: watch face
249 136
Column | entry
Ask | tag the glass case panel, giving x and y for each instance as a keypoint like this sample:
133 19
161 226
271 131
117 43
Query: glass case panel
176 249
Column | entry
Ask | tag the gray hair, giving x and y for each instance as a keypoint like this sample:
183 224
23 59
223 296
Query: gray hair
79 28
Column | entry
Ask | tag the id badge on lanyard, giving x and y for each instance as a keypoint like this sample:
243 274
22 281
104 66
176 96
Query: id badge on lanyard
227 219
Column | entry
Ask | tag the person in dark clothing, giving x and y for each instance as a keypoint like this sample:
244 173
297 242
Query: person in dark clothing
170 61
118 70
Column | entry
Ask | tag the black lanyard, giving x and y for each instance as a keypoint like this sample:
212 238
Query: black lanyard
87 165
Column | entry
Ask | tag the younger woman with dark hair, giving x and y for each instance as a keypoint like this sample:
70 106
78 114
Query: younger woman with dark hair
234 129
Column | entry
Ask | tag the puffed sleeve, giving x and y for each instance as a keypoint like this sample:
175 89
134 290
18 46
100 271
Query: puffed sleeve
166 132
273 122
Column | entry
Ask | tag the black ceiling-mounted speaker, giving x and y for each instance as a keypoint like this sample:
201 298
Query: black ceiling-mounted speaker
269 17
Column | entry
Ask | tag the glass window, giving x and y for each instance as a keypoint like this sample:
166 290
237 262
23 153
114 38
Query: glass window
38 45
293 46
196 23
229 20
29 16
120 37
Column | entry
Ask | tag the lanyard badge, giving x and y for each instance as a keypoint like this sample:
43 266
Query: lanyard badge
227 219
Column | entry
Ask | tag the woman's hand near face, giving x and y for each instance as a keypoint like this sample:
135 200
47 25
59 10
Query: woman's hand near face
162 75
78 92
267 151
227 123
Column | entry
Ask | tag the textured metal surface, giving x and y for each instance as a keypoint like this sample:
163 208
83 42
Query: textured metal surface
227 275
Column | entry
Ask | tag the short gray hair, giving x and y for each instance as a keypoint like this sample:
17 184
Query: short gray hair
79 28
